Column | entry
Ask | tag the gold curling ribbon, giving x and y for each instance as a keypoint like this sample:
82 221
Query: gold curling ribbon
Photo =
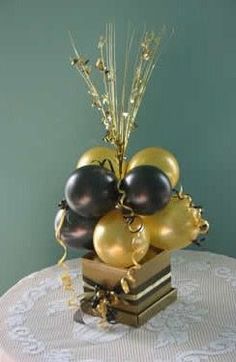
59 240
121 204
129 277
106 300
202 224
130 218
66 278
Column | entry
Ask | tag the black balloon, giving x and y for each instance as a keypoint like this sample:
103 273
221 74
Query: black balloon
76 231
91 191
147 189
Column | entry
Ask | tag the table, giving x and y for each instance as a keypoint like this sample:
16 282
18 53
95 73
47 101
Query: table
37 325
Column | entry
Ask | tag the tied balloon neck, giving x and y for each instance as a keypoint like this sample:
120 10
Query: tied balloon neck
105 162
63 205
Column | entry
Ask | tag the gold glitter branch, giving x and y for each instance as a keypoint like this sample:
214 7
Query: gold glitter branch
118 114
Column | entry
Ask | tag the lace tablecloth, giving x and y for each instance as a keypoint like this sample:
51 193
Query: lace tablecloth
36 324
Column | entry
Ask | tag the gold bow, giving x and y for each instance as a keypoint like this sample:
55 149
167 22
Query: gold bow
102 302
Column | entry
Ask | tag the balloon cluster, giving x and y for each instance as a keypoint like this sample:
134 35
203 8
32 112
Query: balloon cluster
121 212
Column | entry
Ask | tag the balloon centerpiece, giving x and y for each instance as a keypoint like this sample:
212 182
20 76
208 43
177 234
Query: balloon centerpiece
115 207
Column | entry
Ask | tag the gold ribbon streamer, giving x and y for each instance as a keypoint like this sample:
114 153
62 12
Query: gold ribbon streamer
66 277
59 240
202 224
130 218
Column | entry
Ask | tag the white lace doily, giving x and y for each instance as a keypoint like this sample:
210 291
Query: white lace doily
37 325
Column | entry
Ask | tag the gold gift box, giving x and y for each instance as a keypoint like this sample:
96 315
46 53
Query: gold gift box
149 292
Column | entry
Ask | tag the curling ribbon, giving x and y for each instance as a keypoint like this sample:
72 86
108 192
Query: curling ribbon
59 240
130 218
102 301
65 277
202 223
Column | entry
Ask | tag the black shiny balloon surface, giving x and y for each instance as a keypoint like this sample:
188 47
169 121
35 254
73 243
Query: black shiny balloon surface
91 191
76 231
147 189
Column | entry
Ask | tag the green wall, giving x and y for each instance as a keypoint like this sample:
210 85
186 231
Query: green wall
47 120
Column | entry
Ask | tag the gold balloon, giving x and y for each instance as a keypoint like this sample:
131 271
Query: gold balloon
160 158
116 244
99 154
176 226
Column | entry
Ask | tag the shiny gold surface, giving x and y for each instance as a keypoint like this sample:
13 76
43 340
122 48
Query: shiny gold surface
176 226
105 155
115 244
160 158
